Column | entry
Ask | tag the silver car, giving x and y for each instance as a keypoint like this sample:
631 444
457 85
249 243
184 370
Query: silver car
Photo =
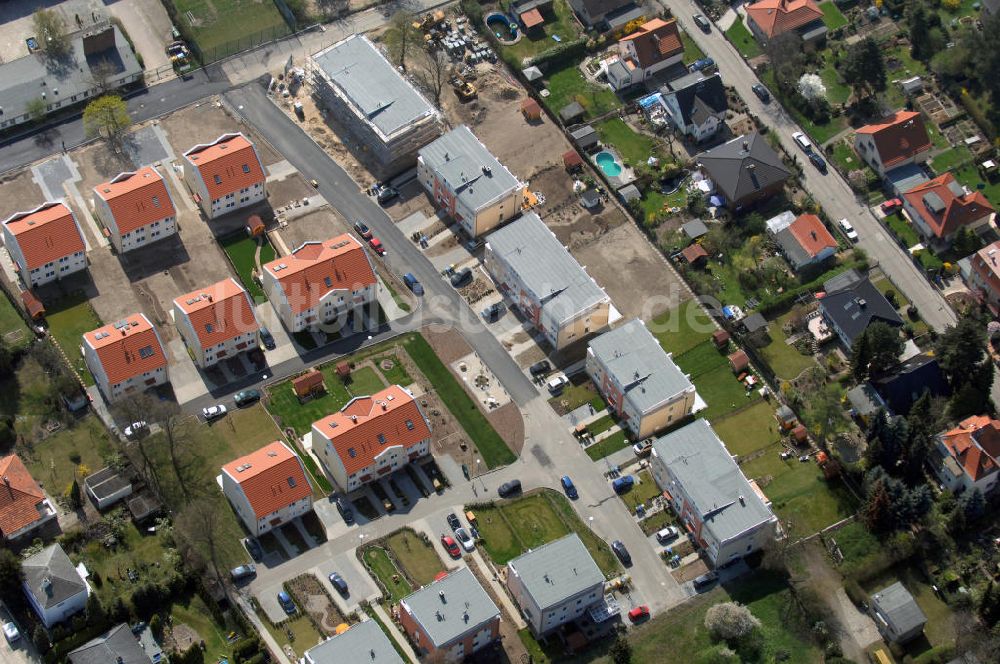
465 539
214 412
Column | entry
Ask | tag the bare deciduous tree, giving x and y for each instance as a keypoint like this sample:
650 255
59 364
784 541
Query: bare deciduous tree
435 70
401 37
199 525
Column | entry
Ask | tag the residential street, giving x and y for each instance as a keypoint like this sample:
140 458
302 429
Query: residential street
830 190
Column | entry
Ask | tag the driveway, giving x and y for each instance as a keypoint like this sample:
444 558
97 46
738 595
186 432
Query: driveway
360 585
21 651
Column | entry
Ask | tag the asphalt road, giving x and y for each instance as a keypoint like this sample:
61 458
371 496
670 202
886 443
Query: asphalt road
830 190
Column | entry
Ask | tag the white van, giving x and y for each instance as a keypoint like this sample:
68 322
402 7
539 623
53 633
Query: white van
556 385
803 142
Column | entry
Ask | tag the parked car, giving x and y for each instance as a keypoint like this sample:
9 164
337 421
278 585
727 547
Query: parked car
509 488
136 428
461 278
623 555
314 183
557 384
453 521
345 508
465 539
803 142
569 487
848 229
540 368
638 613
702 23
705 580
701 65
246 397
411 282
242 573
451 546
386 194
337 581
493 312
818 162
267 338
285 600
891 205
667 534
10 632
623 484
213 412
362 229
642 448
253 548
376 245
761 93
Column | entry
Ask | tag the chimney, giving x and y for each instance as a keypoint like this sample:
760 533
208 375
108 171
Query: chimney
384 405
354 418
746 145
47 586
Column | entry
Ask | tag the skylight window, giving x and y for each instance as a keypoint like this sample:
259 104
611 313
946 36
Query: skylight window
246 168
218 179
146 352
381 438
291 482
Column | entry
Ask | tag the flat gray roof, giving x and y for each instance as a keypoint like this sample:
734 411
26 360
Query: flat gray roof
372 85
477 177
638 362
546 267
557 570
898 605
451 606
721 494
363 642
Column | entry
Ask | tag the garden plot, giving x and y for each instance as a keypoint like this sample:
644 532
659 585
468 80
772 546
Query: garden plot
310 596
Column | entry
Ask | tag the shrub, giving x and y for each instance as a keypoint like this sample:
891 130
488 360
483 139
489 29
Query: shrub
730 620
854 592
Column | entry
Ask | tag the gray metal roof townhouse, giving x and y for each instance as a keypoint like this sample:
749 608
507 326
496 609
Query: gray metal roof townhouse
119 645
896 614
363 642
375 104
468 183
555 584
639 379
744 169
531 267
729 516
97 53
451 618
55 588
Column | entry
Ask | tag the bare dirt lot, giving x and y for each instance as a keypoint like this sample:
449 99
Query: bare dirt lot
20 193
205 122
319 223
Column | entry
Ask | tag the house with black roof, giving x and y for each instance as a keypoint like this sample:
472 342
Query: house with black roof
745 170
697 105
853 304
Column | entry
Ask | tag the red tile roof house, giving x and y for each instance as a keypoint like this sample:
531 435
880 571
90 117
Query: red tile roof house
45 243
984 278
805 241
897 140
225 175
136 208
320 282
125 357
966 457
267 488
371 437
23 505
451 618
769 18
939 207
216 322
655 46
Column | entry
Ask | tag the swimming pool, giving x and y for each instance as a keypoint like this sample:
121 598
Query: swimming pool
609 164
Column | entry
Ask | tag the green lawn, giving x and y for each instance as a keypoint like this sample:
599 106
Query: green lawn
919 326
845 157
655 205
837 92
297 631
682 328
574 396
748 430
68 320
223 24
601 425
79 450
642 492
415 555
692 51
722 392
701 359
681 631
902 229
805 502
970 177
285 406
951 158
397 375
613 443
242 250
900 65
379 563
634 148
13 330
820 133
193 612
858 545
744 42
568 85
141 552
832 16
784 359
564 26
365 382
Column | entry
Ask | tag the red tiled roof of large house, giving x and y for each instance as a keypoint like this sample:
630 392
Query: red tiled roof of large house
775 17
19 496
811 234
945 206
218 312
367 425
271 478
975 444
655 41
127 348
899 137
45 234
137 199
316 268
227 165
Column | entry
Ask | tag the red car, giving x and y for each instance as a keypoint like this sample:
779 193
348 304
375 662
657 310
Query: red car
891 205
376 245
638 613
451 546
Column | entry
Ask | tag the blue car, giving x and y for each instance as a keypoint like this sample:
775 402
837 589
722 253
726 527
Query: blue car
699 65
285 600
623 484
569 488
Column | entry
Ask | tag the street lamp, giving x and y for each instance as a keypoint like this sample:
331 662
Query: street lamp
481 480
